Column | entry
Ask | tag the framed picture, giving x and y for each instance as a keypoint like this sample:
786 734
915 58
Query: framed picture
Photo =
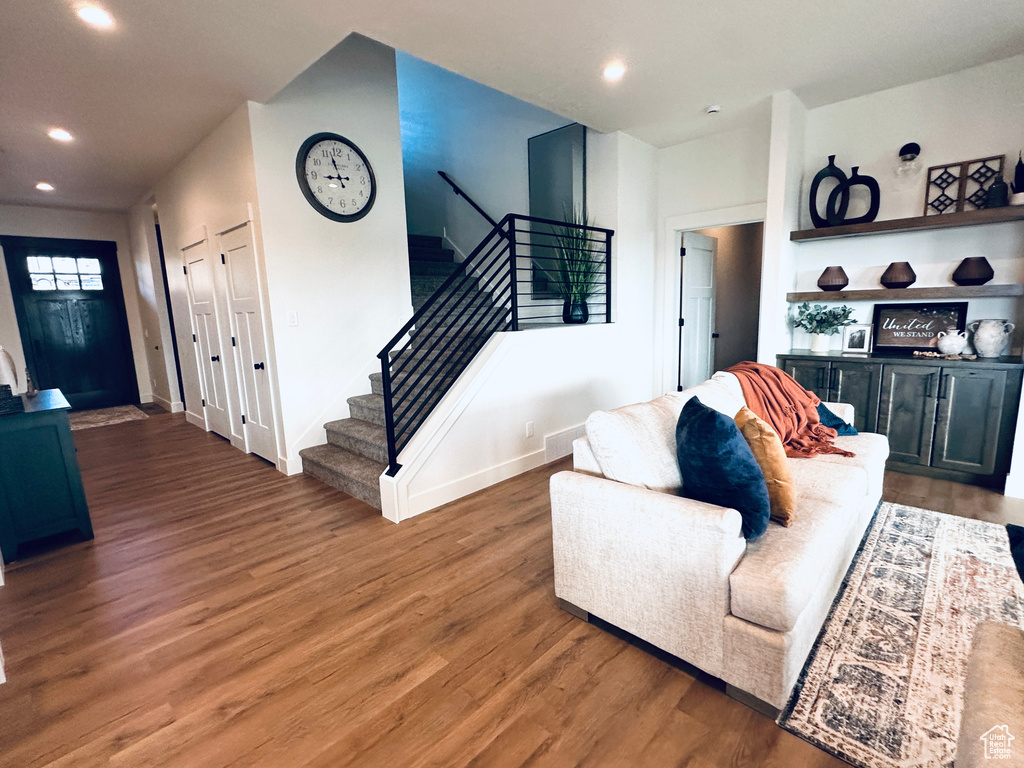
908 328
857 338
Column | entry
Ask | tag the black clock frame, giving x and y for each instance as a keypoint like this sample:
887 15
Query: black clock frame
300 175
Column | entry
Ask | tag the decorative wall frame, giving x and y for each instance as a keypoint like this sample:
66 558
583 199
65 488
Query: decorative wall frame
909 328
962 186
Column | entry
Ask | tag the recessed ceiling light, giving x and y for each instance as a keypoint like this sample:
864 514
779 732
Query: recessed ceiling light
42 186
714 109
614 72
95 16
59 134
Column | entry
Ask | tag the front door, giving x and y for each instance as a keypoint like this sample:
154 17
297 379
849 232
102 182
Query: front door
72 320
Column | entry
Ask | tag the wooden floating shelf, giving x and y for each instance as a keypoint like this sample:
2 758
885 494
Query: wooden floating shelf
898 294
917 223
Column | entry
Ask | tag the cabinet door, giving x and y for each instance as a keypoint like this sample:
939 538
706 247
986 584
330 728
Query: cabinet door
860 385
970 409
906 411
810 374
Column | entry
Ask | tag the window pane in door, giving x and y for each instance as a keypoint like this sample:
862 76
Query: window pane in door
65 264
92 283
42 283
67 282
89 266
39 264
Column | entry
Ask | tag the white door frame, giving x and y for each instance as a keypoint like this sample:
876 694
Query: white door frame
667 317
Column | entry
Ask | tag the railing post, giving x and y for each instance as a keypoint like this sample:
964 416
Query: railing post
608 277
389 414
513 272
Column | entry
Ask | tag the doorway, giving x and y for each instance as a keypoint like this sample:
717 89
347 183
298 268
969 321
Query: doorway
72 320
720 283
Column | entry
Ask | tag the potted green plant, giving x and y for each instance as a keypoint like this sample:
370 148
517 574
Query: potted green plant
577 266
821 322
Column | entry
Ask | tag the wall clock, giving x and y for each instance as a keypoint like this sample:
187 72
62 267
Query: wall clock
335 177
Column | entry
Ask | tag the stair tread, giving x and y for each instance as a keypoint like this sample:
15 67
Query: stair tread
349 472
369 401
359 429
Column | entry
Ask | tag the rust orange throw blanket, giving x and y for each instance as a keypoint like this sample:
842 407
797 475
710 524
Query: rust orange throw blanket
774 396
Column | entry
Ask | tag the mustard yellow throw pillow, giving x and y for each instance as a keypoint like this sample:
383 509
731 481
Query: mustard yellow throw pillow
766 445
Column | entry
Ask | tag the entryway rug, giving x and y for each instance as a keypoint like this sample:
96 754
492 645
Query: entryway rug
103 417
883 686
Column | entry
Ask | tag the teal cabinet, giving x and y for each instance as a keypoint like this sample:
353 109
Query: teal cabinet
41 491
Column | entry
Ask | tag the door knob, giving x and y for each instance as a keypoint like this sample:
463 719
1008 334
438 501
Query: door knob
714 335
259 366
215 359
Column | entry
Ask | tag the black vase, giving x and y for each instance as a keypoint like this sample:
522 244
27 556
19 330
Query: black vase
575 312
829 171
839 200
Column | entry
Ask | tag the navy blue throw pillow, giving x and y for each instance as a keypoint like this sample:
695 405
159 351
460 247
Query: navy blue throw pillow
829 419
718 466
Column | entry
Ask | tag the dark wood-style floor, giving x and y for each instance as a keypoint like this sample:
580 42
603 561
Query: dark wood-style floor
226 615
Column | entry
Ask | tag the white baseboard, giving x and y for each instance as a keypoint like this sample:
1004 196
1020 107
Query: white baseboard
167 405
1014 487
559 444
464 486
196 419
289 466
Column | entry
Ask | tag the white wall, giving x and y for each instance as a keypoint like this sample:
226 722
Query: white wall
153 307
24 221
553 377
212 188
348 282
973 113
478 136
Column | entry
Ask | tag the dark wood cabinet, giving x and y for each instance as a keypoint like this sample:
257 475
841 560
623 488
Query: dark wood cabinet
841 381
907 412
950 419
41 490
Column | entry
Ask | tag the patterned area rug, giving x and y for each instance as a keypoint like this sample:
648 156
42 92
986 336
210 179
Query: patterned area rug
883 686
104 417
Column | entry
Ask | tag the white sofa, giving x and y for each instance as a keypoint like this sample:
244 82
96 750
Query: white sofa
678 573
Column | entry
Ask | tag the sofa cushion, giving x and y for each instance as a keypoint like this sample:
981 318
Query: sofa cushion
636 444
766 445
870 452
830 419
721 392
718 467
780 572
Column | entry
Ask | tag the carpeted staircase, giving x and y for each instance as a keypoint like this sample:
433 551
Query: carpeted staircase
355 455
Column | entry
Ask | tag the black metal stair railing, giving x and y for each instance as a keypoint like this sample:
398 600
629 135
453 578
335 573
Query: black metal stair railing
514 280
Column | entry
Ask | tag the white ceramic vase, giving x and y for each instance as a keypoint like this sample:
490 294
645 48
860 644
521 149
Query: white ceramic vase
820 342
991 336
952 342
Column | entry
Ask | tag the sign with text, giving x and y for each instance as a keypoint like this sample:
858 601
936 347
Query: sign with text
911 327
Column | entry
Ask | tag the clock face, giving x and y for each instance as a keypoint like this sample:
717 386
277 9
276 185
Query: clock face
335 177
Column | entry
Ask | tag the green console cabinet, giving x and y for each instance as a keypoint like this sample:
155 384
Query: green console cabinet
953 419
41 490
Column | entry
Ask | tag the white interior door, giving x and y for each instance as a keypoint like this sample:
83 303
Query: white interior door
697 309
243 294
208 346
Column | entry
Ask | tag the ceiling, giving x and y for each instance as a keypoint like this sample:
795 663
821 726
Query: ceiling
138 97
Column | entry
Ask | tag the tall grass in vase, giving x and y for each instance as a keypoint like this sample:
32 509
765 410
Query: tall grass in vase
578 266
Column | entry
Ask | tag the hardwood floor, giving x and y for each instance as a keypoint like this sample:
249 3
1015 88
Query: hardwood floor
226 615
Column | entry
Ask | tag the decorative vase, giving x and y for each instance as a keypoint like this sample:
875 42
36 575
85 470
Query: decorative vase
829 171
899 274
998 193
575 312
991 336
833 279
974 270
839 200
951 342
820 342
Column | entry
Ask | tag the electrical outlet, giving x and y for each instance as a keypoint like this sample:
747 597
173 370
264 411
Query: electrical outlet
529 429
293 318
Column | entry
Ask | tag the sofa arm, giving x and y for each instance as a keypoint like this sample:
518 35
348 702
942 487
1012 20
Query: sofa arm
844 411
653 564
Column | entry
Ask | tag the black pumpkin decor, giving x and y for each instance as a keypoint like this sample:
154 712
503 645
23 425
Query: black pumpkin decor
974 270
899 274
833 279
